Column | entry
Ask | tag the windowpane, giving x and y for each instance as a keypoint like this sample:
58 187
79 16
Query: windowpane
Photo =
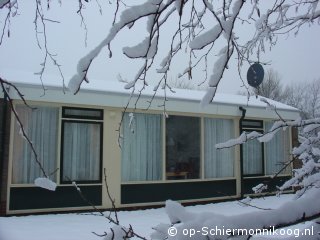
41 126
218 162
182 147
252 157
252 124
81 151
142 147
82 113
277 151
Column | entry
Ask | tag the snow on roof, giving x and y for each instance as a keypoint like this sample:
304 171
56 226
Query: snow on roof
23 78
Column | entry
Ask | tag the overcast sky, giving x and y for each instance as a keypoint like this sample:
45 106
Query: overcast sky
295 58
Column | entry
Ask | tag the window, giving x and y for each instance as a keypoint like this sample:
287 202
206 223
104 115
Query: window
218 163
41 126
182 147
265 158
252 151
141 147
81 145
277 150
253 158
81 113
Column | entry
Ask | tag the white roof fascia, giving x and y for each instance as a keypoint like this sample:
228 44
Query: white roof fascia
105 98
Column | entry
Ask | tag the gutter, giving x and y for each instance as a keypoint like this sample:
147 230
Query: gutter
243 110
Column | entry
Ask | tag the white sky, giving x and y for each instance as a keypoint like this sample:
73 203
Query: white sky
295 58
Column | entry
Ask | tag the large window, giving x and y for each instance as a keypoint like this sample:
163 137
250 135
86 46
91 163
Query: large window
182 147
41 127
218 163
81 145
141 147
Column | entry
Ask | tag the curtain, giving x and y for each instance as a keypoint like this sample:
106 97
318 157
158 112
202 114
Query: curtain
252 157
141 157
81 151
218 163
41 126
277 150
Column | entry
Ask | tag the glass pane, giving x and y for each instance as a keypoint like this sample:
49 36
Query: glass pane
82 113
182 147
141 157
252 157
252 124
81 151
218 162
41 127
277 151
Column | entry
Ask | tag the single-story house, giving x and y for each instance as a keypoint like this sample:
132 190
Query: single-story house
149 158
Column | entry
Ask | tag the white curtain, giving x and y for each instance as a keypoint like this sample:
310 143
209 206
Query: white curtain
252 157
142 147
41 126
81 151
218 163
277 150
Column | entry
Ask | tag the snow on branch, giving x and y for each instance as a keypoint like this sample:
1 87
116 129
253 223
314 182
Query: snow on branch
128 17
199 25
267 136
308 176
181 219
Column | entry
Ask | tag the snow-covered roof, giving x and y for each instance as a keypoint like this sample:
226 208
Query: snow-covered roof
27 81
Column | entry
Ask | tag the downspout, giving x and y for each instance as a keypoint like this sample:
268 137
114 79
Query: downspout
243 110
3 137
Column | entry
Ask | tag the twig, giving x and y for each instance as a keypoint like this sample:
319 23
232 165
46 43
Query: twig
23 131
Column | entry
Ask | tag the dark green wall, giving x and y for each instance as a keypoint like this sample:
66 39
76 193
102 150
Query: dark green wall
22 198
159 192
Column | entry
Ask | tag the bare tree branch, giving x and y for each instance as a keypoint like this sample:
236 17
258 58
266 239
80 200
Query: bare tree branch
4 85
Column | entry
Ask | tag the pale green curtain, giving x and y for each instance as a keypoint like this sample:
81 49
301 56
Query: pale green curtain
252 157
81 151
218 163
277 150
41 126
142 147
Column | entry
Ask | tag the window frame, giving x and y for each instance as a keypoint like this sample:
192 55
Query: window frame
81 119
201 143
201 161
250 128
290 147
34 106
70 116
162 149
235 152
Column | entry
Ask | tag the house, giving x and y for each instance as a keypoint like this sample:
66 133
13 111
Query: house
161 156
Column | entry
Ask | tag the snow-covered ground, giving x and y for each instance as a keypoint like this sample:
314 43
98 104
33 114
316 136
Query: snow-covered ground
80 226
